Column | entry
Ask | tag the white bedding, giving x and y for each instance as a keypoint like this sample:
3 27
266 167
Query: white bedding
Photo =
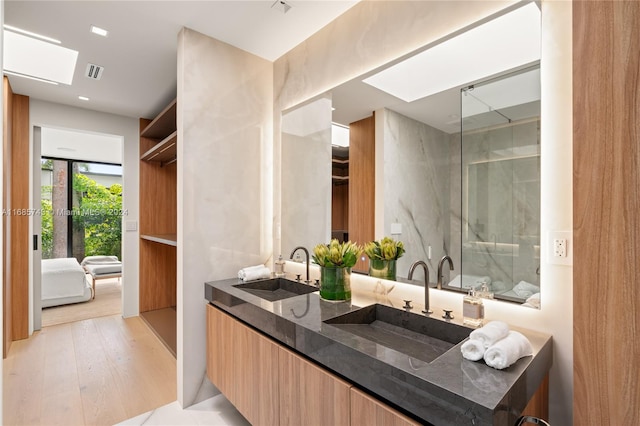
63 281
102 265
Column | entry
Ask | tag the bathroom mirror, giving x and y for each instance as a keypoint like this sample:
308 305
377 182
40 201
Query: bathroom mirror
423 171
500 166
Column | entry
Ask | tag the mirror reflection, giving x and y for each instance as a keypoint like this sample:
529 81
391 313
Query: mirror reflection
454 173
500 166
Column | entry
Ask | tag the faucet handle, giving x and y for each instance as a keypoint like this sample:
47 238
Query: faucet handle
407 305
447 314
298 277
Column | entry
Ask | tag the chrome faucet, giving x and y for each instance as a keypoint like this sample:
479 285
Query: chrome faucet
306 252
439 282
413 267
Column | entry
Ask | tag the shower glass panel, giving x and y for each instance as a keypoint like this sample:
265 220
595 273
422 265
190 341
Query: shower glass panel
500 151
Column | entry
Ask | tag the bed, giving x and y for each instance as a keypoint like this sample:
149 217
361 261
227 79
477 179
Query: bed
101 267
63 282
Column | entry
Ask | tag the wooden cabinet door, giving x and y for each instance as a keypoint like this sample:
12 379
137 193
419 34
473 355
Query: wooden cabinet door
368 411
220 341
243 365
255 367
310 395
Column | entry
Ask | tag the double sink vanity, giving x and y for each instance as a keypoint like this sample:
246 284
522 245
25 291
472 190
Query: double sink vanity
282 355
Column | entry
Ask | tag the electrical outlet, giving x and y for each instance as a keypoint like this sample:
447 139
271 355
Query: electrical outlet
560 247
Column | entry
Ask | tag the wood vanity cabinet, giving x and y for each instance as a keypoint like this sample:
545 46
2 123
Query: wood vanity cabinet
366 410
243 365
310 393
271 385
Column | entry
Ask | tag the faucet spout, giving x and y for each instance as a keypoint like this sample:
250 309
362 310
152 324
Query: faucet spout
413 267
306 253
440 264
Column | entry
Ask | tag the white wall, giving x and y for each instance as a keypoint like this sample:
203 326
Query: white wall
46 114
224 117
373 33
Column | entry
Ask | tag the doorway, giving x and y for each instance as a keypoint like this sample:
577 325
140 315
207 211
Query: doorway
78 186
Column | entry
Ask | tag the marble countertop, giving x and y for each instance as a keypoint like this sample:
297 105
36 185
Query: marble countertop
448 390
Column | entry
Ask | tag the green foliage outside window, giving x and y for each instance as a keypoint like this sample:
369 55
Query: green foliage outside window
98 211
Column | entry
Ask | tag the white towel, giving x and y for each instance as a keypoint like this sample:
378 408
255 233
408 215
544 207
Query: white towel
490 333
243 272
508 350
472 349
254 273
525 290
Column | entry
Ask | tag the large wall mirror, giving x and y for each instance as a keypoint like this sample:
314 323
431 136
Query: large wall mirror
454 159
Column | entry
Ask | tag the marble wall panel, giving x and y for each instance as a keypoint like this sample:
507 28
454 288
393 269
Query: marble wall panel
416 188
225 176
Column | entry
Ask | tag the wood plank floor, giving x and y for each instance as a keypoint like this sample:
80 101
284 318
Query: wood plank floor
98 371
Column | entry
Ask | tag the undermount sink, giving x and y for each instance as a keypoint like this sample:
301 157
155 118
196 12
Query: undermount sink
276 288
412 334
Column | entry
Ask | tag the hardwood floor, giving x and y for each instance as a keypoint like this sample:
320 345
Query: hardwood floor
98 371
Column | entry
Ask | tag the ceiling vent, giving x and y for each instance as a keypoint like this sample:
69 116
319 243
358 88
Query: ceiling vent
94 71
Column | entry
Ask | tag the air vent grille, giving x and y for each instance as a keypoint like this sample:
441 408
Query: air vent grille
94 71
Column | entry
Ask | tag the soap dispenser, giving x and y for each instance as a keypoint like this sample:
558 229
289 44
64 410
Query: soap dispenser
280 267
472 309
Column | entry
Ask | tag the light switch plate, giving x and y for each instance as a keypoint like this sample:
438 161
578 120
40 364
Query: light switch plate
396 228
131 225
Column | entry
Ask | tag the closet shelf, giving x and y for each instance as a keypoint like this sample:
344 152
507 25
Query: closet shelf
168 239
163 124
164 151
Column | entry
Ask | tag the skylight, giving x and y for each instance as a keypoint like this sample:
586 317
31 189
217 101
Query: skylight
29 57
503 43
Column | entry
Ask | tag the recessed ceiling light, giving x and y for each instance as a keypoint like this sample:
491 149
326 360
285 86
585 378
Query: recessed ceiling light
504 43
36 58
99 31
281 6
42 80
31 34
83 98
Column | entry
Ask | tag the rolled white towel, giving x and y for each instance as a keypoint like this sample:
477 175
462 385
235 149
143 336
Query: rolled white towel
490 333
256 274
472 349
243 272
508 350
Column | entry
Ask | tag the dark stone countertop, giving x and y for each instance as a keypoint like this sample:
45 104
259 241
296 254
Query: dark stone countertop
450 390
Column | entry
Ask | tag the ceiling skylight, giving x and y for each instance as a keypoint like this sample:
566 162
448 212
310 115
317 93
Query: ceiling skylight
503 43
29 57
339 135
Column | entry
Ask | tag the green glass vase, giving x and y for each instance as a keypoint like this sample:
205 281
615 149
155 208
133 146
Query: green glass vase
385 269
335 283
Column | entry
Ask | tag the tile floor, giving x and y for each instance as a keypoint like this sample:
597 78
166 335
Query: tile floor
213 411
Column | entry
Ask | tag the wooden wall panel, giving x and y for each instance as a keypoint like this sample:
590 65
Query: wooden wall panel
340 207
606 206
362 184
6 219
20 241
